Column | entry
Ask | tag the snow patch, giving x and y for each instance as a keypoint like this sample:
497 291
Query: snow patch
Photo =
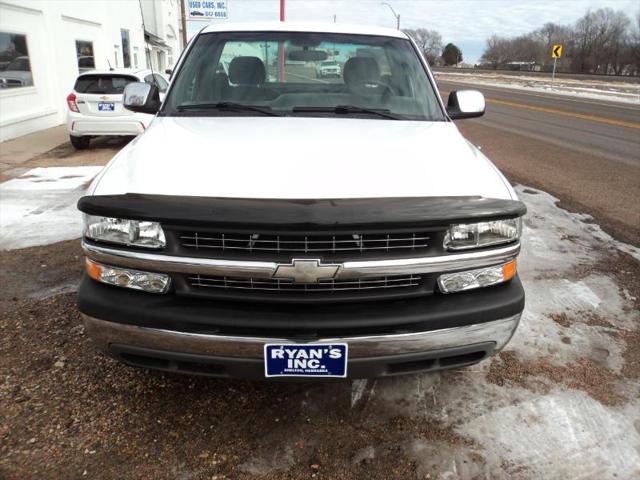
622 92
538 428
39 207
564 434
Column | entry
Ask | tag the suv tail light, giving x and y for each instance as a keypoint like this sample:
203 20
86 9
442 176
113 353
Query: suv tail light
71 102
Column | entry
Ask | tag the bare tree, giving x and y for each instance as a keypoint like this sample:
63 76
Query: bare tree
601 41
600 36
634 47
429 42
497 52
547 36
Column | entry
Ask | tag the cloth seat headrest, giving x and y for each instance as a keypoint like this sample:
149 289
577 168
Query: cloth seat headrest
247 71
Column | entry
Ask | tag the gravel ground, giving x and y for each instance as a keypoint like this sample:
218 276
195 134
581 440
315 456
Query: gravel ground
568 384
70 412
562 401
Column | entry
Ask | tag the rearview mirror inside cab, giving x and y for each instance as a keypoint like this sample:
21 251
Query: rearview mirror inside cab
142 97
465 104
307 55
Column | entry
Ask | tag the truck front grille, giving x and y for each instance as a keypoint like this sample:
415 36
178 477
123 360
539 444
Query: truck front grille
282 246
328 285
291 244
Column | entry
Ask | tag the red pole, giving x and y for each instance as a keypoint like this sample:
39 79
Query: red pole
281 45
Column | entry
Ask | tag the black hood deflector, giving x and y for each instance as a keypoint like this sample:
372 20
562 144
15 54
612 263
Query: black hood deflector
248 213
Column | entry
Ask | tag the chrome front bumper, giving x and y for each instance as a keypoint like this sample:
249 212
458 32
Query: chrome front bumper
104 334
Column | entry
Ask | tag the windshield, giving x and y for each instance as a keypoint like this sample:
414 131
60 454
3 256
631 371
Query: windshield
280 72
103 83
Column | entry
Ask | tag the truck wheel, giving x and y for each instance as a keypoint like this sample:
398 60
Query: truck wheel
80 143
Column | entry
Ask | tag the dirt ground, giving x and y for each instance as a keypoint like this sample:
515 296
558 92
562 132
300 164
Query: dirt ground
72 413
69 412
562 400
101 151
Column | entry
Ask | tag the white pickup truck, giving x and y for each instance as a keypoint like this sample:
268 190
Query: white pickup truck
272 224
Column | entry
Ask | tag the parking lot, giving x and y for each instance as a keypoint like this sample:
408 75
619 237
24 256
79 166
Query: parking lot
561 401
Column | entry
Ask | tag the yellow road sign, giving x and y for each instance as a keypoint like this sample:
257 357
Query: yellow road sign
556 51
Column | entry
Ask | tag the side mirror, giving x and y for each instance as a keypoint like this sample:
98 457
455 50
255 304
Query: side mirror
142 97
465 104
169 71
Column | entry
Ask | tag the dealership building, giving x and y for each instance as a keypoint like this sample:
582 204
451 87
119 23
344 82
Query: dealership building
45 44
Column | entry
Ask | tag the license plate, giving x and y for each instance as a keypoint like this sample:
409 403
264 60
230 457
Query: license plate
316 360
106 107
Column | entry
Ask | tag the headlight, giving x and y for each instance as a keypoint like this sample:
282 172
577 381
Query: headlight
473 235
481 277
134 233
127 278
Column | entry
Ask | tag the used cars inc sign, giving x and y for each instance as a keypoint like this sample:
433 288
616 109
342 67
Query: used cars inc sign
207 9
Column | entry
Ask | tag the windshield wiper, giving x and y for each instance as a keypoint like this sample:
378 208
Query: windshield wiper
349 109
228 106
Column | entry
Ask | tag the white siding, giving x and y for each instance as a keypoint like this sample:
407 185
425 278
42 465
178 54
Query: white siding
52 28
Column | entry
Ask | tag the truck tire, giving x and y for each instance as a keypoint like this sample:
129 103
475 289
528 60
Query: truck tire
79 143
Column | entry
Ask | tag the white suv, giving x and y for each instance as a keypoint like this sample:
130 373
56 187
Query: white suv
95 104
328 68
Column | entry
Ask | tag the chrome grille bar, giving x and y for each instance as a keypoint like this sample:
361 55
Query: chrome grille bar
305 243
263 269
329 285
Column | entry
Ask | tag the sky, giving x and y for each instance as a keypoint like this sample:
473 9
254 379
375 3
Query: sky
467 23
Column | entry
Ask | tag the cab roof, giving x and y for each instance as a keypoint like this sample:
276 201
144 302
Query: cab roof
314 27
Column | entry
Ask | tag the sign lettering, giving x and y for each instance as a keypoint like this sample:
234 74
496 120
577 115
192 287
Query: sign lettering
207 10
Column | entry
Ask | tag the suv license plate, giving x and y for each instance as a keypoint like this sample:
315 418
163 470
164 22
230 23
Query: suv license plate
106 107
313 360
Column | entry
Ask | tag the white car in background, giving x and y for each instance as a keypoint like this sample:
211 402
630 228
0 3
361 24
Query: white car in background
95 104
328 68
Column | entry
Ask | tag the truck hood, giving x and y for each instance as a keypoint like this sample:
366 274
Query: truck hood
302 158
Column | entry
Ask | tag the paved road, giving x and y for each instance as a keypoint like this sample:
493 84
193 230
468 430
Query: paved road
586 152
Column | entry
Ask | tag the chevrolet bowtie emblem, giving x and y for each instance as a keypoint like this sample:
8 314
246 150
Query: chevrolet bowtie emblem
307 270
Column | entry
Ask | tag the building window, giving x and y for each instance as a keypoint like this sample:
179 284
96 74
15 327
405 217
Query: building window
126 48
84 52
160 60
15 68
135 57
115 55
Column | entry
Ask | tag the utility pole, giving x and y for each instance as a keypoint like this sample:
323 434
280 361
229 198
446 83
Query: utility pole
397 15
183 20
281 45
266 47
